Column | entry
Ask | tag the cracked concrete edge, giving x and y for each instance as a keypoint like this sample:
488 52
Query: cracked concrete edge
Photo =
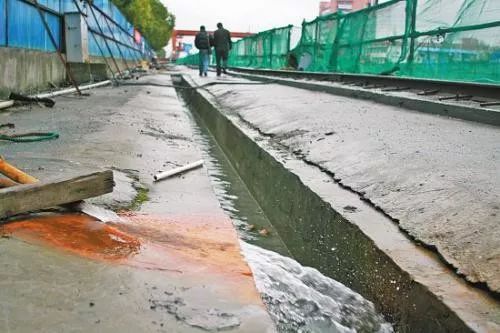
408 283
445 258
469 113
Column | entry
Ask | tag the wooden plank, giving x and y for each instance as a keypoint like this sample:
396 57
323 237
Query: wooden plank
26 198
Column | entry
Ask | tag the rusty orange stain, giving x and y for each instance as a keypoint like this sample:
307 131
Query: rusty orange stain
208 239
202 247
76 233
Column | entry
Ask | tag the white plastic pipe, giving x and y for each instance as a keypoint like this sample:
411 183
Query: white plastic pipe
6 104
176 171
72 90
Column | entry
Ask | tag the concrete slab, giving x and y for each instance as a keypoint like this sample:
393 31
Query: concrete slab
28 71
437 177
174 267
325 224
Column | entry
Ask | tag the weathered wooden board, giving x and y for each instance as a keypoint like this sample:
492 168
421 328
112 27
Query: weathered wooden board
26 198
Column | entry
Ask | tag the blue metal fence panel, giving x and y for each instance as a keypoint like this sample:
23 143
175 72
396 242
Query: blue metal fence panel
116 28
3 23
69 6
55 5
25 27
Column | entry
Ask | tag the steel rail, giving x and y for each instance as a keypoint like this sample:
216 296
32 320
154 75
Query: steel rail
484 90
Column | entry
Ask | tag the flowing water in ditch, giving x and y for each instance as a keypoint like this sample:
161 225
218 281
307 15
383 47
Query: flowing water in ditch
300 299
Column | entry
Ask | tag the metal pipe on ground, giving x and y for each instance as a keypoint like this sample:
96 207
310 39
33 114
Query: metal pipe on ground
176 171
6 104
72 90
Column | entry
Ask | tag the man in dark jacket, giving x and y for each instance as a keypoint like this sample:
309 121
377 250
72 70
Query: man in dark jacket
203 43
222 44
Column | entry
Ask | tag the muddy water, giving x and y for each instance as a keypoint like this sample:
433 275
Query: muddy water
250 221
300 299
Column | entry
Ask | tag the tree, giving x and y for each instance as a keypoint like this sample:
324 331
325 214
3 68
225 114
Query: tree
151 18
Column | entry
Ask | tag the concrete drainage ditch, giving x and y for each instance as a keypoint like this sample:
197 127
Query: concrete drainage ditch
358 247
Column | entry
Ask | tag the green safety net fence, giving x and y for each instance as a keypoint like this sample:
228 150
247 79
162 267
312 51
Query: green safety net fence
457 40
192 59
267 49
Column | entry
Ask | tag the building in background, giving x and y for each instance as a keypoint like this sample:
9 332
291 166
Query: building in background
345 6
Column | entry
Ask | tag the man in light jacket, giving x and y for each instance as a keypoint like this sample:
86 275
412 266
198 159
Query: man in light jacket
222 43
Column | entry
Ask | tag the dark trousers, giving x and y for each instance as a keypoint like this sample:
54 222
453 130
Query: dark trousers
221 60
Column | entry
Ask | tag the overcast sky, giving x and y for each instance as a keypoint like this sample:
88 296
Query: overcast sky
241 15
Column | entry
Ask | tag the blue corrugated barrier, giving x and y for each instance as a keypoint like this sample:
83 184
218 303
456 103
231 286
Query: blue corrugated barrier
25 28
3 27
21 26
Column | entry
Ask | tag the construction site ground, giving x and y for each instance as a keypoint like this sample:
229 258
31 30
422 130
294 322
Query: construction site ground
172 266
174 263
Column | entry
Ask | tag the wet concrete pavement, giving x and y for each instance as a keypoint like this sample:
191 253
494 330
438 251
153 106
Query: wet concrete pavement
436 177
175 266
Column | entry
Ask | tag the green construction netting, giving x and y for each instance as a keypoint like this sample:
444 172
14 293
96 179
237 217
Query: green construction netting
192 59
456 40
268 49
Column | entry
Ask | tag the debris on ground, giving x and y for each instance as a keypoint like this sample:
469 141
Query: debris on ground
7 125
27 99
30 137
178 171
16 199
264 232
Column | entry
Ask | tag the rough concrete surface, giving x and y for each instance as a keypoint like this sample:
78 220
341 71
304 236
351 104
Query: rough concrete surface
28 71
183 275
88 72
437 177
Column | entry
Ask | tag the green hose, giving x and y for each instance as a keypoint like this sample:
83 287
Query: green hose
30 137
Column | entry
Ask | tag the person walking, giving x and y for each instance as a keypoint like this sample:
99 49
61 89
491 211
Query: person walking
222 43
203 43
